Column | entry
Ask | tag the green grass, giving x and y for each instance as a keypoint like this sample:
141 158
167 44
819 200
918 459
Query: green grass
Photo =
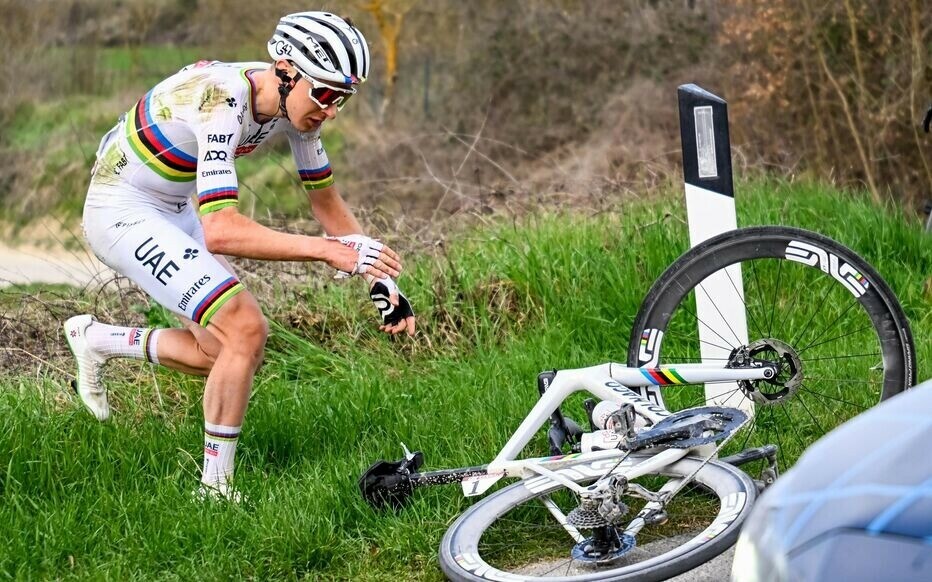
81 499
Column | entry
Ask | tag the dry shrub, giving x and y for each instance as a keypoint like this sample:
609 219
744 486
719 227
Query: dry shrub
835 88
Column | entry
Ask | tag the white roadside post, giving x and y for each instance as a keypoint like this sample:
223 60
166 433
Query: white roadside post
710 210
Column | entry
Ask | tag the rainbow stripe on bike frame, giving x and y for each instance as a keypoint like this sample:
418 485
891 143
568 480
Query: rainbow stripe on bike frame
662 376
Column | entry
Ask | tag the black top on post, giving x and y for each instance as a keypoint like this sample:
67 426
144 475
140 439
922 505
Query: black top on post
704 135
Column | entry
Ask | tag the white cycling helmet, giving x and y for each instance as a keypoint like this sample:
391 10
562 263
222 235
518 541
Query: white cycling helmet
321 45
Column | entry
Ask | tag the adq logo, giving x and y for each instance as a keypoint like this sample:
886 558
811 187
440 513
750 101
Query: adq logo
215 156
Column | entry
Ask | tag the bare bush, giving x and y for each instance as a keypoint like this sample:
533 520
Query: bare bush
835 88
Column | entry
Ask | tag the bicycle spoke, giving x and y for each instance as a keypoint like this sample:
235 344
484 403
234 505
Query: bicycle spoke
773 300
730 395
833 324
842 380
836 338
747 437
847 356
721 315
820 395
815 311
792 424
780 450
812 416
741 298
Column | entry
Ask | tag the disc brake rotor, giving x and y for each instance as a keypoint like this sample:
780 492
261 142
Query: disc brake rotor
789 375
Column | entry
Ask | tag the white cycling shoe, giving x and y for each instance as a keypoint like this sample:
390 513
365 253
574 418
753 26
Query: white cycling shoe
89 387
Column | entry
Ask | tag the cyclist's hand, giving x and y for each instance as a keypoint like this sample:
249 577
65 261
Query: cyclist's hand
363 255
393 306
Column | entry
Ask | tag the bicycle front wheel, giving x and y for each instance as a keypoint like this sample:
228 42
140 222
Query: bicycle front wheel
514 534
806 302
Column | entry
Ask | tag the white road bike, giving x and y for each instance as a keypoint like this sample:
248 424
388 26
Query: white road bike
659 490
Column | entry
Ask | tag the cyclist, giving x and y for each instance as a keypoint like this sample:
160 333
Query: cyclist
180 140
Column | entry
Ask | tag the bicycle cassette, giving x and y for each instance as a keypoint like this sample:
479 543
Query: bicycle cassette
690 428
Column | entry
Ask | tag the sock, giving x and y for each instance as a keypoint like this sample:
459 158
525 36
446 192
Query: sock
219 451
112 341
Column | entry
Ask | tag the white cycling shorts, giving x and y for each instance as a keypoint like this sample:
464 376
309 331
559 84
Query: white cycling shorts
159 245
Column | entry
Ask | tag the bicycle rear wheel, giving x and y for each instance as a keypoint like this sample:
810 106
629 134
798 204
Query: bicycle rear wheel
822 311
513 535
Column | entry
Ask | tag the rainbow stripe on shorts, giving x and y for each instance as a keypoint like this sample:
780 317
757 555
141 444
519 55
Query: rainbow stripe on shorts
215 300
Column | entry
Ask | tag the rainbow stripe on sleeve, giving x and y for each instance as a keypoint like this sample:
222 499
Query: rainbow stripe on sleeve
316 179
217 198
152 147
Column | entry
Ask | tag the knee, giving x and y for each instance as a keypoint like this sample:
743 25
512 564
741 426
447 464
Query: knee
244 330
255 331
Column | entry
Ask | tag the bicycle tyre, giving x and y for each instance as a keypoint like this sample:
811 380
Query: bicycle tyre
764 251
735 493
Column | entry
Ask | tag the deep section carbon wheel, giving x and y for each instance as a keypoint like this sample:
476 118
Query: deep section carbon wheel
808 303
516 533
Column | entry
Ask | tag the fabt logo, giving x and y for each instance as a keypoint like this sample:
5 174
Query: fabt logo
121 163
151 256
215 156
219 137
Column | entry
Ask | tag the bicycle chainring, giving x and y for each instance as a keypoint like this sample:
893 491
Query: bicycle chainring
691 428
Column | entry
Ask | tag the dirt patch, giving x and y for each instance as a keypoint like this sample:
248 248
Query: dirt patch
32 264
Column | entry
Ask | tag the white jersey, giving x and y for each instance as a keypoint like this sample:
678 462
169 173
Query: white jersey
182 137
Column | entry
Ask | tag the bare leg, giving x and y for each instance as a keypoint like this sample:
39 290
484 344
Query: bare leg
192 351
241 330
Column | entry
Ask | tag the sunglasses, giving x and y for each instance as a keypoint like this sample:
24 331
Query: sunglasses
325 95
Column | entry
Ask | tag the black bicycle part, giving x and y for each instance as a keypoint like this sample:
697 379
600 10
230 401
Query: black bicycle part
388 484
563 430
604 547
785 383
589 406
689 428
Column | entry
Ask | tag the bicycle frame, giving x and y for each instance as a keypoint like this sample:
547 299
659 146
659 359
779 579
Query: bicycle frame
393 483
612 382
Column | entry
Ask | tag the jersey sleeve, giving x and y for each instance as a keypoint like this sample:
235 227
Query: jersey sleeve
218 127
311 159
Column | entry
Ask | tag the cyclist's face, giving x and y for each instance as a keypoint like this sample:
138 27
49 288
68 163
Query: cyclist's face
305 114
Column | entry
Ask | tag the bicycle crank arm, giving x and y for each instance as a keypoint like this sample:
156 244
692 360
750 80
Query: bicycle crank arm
475 480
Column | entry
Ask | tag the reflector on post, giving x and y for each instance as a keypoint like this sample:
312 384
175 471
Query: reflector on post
710 210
